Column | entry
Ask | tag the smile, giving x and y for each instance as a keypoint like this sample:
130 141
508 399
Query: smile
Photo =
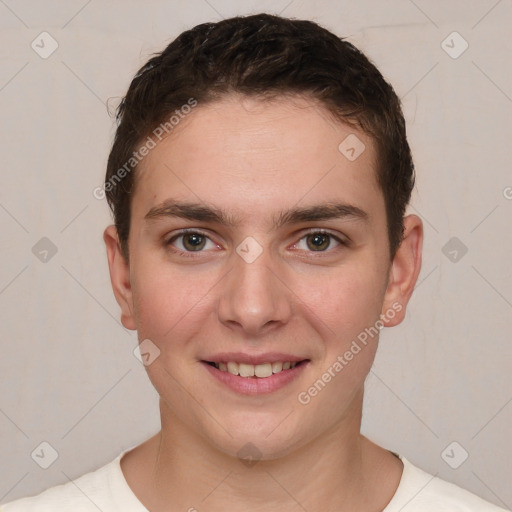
255 379
254 370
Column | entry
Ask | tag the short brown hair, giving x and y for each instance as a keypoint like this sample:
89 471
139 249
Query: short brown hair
263 55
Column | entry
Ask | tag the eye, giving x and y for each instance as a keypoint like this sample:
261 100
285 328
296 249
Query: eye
191 241
318 241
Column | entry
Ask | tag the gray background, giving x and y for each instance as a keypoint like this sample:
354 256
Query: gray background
68 375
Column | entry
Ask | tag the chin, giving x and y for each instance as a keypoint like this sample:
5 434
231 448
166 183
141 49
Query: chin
265 439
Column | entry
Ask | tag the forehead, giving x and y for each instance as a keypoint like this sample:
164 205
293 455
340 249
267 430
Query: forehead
251 155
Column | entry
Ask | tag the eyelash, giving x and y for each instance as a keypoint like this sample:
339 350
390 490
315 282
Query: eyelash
194 254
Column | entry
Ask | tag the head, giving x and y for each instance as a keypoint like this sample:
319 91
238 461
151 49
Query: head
239 131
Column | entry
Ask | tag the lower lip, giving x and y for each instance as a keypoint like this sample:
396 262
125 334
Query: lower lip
256 385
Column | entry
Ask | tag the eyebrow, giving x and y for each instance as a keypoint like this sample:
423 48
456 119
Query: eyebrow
203 213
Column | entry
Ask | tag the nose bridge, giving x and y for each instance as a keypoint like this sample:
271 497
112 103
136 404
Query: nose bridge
252 296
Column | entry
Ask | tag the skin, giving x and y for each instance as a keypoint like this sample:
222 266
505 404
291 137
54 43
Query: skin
255 159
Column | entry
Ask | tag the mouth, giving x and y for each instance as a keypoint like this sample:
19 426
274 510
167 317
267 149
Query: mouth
258 371
255 379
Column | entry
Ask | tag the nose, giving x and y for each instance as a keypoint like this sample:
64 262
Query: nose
254 297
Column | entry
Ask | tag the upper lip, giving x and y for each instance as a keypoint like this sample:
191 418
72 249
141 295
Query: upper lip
240 357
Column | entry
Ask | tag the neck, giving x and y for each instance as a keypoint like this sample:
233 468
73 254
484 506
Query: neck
339 470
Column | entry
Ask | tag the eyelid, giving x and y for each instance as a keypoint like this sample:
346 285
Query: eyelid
185 231
168 241
327 232
342 239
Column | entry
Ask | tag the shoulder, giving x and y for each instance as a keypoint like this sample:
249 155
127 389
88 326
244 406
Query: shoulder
419 491
89 492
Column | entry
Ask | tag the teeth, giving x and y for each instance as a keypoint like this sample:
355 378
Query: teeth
252 370
246 370
263 370
233 368
277 367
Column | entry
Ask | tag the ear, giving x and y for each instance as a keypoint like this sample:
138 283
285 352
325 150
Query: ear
119 276
403 273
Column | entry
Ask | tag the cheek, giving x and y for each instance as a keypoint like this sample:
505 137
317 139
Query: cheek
347 300
349 305
166 302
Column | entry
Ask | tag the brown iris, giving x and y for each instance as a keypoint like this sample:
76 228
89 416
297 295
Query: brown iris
194 241
318 241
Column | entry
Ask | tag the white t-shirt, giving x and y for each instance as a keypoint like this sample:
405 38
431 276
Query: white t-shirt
107 490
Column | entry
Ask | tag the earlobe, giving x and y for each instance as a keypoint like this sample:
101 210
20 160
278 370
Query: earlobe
404 272
119 276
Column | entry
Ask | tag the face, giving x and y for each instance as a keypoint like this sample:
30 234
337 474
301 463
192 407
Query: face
254 242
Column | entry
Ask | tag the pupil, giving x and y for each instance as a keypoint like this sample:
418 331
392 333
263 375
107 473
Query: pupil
194 242
318 241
